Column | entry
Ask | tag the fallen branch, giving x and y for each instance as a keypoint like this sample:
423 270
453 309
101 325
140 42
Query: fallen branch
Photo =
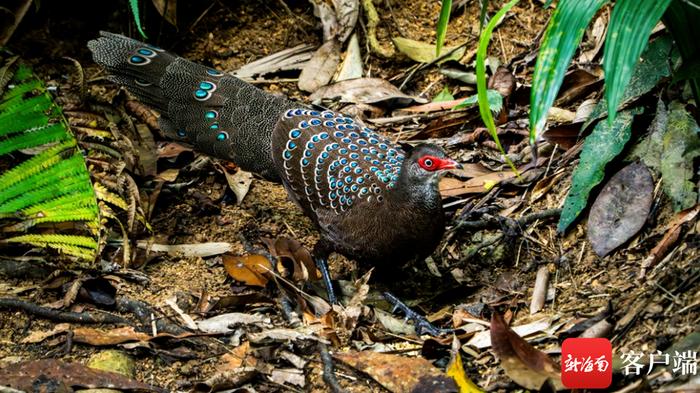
60 316
328 373
509 225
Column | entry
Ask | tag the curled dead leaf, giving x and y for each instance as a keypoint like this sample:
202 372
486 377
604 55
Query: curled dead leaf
293 256
525 365
399 373
249 269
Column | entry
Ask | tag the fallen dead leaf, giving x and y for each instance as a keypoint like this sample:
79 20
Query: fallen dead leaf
188 250
239 182
365 91
226 323
237 357
450 187
249 269
522 363
288 376
321 67
621 208
227 380
284 335
32 375
399 374
670 237
294 255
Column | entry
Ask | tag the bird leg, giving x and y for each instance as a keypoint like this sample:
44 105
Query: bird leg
321 254
421 323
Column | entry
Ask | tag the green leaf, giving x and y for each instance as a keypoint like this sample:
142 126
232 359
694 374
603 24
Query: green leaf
681 19
681 147
494 97
630 25
443 21
671 147
134 6
54 185
605 143
650 70
443 96
483 7
561 40
481 90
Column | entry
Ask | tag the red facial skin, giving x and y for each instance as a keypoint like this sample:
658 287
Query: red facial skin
432 163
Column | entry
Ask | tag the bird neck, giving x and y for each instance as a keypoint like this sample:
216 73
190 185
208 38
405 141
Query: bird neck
416 191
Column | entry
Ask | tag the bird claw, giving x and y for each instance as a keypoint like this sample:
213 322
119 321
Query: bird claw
323 267
421 324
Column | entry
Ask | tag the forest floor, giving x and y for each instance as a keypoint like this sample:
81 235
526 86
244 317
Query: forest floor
480 267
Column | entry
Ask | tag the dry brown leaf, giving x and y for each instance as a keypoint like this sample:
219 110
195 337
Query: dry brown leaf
55 375
502 81
168 175
237 357
146 147
188 250
670 237
226 380
100 337
294 255
543 186
450 187
432 106
365 91
321 67
288 376
41 335
249 269
524 364
621 208
227 323
239 183
399 374
167 9
171 149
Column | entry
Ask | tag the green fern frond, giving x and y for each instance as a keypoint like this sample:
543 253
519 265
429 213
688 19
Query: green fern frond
56 216
54 185
66 202
34 137
59 178
34 165
44 239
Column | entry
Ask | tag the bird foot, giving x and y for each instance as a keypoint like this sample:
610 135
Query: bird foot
322 265
420 322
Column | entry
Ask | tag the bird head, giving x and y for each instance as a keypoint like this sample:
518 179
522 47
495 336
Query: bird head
426 162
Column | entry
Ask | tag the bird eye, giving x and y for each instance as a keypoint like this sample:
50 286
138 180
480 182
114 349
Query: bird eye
428 162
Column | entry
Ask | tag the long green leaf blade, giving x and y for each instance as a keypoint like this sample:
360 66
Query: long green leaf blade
481 90
443 21
630 25
605 143
561 40
134 5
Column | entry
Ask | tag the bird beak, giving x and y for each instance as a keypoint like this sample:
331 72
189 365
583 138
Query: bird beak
450 164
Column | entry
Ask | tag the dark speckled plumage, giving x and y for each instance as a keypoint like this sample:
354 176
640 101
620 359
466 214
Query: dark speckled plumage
237 112
371 200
